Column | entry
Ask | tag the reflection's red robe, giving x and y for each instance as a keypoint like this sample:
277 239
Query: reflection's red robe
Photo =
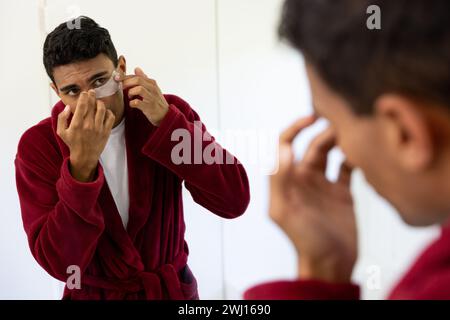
72 223
428 278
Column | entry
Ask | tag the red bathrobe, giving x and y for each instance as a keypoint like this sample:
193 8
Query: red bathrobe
428 278
72 223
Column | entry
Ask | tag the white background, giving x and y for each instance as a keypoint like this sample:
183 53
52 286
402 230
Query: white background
224 58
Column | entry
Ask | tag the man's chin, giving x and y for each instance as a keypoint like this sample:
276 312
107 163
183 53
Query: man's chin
419 219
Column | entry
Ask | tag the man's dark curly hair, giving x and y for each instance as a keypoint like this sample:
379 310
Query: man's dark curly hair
68 43
409 55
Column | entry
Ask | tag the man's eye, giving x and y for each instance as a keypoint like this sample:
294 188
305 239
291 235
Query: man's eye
99 82
73 92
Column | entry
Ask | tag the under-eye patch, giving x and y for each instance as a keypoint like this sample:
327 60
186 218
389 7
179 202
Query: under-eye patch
109 88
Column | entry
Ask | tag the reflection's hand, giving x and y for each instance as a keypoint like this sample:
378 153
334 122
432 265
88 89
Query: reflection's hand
146 96
316 214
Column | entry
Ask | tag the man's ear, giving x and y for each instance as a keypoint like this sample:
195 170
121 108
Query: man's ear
407 131
122 64
52 84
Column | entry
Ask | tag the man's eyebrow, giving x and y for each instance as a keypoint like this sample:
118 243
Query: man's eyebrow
69 87
74 86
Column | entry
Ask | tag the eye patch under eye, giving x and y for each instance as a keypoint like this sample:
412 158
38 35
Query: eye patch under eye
109 88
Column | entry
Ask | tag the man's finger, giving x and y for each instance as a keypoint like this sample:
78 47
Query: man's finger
89 118
81 110
285 152
139 91
285 162
136 103
100 114
120 77
134 81
288 135
317 153
139 72
63 116
92 103
345 173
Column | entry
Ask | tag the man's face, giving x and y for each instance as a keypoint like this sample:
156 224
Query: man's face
391 163
74 78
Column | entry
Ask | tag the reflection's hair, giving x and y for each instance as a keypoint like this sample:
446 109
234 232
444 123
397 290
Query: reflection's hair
409 55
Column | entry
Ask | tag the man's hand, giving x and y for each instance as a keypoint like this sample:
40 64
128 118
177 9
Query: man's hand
87 134
316 214
145 95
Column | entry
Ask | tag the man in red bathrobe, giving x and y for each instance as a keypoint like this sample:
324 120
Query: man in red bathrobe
379 72
100 188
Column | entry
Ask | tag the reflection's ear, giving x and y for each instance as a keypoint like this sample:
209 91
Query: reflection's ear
55 89
407 131
122 64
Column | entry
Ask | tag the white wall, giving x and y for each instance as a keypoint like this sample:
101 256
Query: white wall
223 57
24 98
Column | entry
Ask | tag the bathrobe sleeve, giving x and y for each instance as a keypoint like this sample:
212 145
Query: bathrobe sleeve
427 279
303 290
214 177
60 215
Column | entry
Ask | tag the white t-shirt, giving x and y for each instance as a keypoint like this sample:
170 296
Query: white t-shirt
114 162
